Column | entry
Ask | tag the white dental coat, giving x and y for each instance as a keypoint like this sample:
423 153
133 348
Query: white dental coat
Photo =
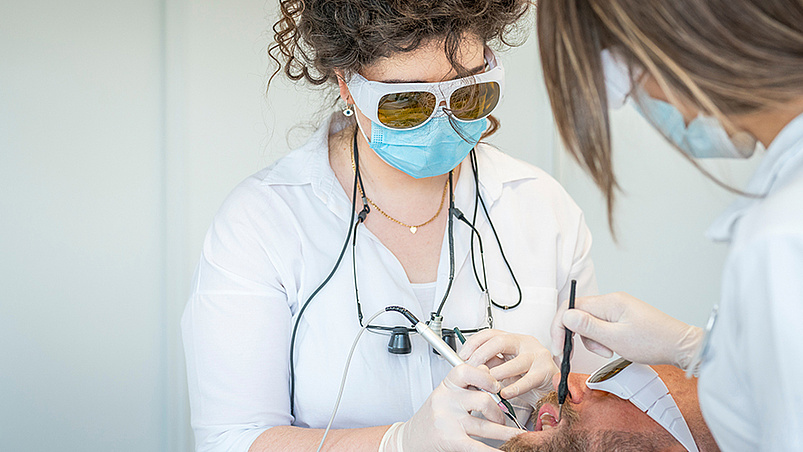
277 237
751 380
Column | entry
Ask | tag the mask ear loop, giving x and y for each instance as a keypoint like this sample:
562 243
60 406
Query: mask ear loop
359 127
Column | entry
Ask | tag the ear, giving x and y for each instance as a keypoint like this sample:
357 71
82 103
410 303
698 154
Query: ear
345 94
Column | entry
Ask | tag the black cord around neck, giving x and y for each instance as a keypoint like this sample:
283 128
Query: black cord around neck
361 217
475 170
352 226
450 228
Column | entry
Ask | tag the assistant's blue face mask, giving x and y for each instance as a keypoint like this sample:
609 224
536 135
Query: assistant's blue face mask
704 137
430 150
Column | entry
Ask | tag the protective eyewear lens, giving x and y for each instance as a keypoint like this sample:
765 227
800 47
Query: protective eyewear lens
474 101
410 109
405 110
609 371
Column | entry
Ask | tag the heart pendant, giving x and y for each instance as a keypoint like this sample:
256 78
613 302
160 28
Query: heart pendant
413 229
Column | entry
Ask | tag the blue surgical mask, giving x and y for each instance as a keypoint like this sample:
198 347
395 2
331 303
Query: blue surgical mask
704 137
430 150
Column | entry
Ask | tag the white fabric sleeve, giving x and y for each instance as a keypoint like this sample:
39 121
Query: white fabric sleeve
769 275
236 330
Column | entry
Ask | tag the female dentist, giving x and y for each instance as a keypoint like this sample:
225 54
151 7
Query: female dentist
370 213
712 76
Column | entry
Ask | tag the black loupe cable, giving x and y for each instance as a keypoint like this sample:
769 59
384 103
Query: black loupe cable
352 224
475 170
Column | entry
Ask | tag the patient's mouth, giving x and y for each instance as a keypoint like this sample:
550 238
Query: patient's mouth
548 421
547 418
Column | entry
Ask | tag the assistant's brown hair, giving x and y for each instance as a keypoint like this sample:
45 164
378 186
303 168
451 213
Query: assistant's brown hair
313 38
726 57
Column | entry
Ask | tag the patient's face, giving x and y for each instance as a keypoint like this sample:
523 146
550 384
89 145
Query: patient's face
597 420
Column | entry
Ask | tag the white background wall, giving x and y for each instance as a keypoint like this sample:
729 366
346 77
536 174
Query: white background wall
124 124
82 325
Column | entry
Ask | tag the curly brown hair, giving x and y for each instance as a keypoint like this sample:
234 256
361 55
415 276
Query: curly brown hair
313 38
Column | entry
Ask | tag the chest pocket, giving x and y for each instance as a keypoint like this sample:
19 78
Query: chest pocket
533 316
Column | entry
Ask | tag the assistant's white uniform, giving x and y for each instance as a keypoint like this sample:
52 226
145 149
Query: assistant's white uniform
751 380
277 237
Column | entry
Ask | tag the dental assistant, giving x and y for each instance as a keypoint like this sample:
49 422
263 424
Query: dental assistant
386 204
715 77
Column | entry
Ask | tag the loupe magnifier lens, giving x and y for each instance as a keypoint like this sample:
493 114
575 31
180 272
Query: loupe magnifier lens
450 339
399 343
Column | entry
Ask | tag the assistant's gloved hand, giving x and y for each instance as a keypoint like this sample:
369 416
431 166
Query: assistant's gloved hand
444 421
525 367
630 327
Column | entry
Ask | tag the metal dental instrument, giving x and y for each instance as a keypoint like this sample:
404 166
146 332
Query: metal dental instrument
565 366
443 348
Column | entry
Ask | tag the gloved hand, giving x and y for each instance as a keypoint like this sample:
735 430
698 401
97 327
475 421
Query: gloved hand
444 422
525 367
630 327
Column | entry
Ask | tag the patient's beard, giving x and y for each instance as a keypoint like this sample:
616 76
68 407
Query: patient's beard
563 441
566 437
571 436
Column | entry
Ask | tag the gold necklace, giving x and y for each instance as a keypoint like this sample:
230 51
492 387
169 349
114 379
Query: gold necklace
412 228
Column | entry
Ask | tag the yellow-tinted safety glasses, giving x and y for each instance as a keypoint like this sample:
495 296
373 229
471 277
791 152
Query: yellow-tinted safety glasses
411 105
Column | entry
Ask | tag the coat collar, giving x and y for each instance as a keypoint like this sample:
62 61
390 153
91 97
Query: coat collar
783 157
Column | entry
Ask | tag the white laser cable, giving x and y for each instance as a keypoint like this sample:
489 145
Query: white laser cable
345 373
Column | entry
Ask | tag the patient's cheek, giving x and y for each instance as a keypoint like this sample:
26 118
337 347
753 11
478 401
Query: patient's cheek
613 413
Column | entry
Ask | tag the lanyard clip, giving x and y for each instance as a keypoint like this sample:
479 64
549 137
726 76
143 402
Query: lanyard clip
487 298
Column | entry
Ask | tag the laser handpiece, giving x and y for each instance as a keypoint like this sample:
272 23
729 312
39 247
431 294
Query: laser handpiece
565 366
443 348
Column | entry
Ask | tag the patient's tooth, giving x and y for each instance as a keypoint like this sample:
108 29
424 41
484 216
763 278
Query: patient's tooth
546 426
548 420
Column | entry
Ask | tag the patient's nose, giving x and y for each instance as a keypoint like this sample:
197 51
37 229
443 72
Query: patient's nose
577 386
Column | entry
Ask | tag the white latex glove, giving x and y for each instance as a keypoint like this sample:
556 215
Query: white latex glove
624 324
444 421
525 367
